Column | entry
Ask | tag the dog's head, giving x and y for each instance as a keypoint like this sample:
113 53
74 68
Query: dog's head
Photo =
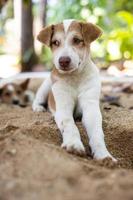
69 42
12 93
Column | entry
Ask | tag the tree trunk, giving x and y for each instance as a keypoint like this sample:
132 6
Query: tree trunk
28 56
43 5
2 3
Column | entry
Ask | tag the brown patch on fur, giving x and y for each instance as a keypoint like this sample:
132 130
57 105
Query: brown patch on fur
75 26
24 85
90 31
51 101
46 34
59 27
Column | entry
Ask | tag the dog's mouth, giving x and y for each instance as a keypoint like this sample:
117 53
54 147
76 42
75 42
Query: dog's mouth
66 70
23 105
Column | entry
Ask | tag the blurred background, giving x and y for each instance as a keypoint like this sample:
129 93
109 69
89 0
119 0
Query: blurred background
21 20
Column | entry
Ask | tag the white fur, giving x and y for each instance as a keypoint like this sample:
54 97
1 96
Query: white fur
69 51
11 88
30 95
78 90
83 90
66 24
41 96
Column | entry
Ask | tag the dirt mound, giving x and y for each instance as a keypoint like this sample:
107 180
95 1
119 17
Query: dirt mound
33 166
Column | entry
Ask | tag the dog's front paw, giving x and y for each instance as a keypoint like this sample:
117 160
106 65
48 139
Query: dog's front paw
38 108
74 146
101 155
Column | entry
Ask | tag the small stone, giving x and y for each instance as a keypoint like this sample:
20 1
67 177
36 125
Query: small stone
12 151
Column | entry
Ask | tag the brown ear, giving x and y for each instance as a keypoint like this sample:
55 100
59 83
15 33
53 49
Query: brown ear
46 34
24 85
90 32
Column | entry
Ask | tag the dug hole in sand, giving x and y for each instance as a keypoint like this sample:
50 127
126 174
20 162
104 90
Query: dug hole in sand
34 167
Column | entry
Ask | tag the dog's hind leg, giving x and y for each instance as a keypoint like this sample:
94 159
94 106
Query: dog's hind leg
42 96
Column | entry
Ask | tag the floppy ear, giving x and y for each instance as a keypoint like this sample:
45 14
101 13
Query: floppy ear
46 34
24 85
90 32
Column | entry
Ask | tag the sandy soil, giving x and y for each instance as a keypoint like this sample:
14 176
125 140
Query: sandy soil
34 167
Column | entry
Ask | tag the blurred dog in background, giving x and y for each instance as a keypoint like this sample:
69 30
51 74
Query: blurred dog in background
16 93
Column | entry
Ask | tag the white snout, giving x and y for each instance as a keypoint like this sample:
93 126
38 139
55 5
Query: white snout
66 53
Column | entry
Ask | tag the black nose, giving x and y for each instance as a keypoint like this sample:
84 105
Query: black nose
64 62
15 102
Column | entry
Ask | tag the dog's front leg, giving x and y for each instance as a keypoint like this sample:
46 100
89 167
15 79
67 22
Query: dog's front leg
70 134
41 96
65 122
92 120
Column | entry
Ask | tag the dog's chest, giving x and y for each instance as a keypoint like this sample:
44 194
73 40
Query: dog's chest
79 81
76 84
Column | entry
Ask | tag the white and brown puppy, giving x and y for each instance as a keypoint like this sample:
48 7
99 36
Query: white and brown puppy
74 86
17 94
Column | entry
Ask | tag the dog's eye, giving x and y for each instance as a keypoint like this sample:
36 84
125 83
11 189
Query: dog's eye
8 94
18 92
77 40
56 43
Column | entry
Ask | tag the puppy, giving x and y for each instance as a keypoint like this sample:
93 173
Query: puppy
17 94
73 88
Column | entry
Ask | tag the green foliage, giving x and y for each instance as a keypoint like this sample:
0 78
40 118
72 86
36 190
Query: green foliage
123 33
114 17
5 14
